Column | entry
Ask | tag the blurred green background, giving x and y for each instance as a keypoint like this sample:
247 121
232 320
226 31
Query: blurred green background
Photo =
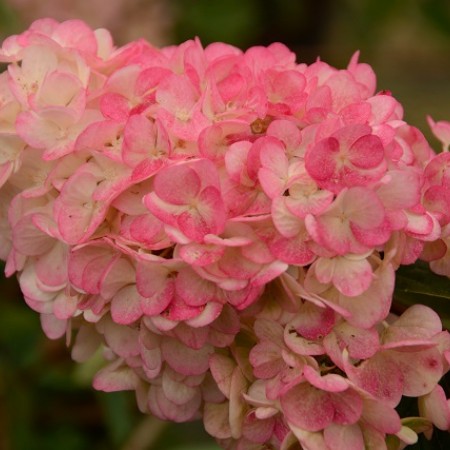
46 402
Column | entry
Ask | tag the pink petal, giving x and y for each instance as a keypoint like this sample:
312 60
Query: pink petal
201 254
53 327
76 212
257 430
348 407
320 160
62 89
421 370
274 171
292 250
194 290
330 382
309 440
435 407
307 408
65 306
344 437
381 377
367 152
37 131
373 305
177 184
122 340
360 343
302 202
417 322
75 34
156 303
117 275
381 416
222 368
105 135
112 379
333 234
216 420
313 322
144 139
184 359
29 240
177 95
179 310
350 276
441 130
363 207
177 392
402 190
56 258
126 305
238 405
287 132
266 360
286 223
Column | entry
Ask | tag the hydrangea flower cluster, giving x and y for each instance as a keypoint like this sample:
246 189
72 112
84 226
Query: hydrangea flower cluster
226 227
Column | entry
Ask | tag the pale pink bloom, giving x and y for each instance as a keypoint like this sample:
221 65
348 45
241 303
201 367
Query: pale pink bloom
364 310
241 274
304 334
319 401
132 89
26 80
437 193
351 156
144 230
241 189
53 130
410 147
214 141
440 254
137 152
441 130
86 196
70 35
194 208
351 224
263 422
11 148
363 75
360 343
436 407
117 376
284 90
9 106
180 106
350 274
408 356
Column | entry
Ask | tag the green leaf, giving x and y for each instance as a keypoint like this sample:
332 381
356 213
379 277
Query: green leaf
417 424
9 22
117 414
417 284
233 21
437 12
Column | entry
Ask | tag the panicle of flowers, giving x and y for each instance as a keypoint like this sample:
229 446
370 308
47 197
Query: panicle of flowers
226 226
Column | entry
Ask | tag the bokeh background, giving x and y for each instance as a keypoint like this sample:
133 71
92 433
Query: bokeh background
46 402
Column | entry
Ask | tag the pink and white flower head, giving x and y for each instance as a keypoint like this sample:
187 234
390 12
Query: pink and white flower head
226 226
